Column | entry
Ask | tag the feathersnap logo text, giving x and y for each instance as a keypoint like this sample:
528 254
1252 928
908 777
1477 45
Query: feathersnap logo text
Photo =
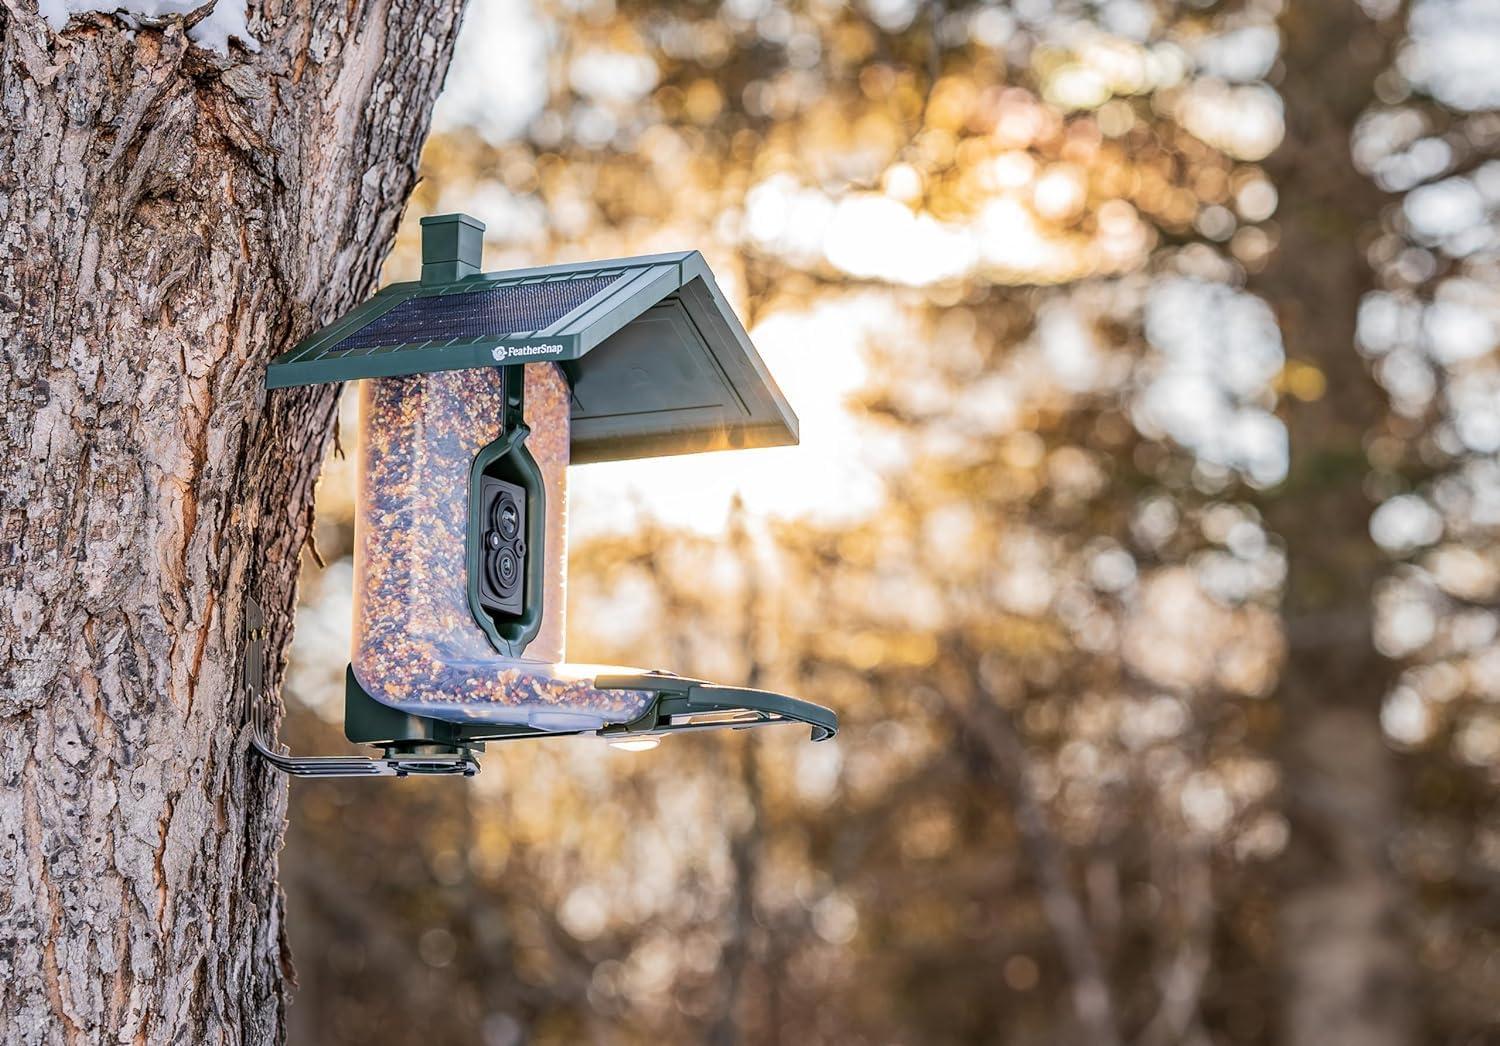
504 352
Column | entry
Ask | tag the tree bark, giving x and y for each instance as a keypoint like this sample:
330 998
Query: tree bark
1345 961
169 219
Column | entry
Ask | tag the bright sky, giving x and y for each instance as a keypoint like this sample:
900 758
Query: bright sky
1218 348
496 34
816 360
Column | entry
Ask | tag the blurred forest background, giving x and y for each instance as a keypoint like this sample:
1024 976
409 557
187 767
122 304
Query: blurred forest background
1143 535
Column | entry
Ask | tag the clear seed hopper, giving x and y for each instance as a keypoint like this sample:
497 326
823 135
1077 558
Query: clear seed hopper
481 389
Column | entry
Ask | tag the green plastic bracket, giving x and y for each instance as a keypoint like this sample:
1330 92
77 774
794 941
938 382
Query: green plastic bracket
368 722
705 706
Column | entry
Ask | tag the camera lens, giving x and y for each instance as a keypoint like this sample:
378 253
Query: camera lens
502 548
507 518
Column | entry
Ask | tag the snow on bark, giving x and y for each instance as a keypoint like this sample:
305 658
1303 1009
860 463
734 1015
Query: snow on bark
225 18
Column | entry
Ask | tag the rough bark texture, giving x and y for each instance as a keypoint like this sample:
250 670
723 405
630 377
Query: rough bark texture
169 219
1345 959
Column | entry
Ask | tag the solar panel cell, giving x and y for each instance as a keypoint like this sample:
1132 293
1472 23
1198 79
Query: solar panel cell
496 312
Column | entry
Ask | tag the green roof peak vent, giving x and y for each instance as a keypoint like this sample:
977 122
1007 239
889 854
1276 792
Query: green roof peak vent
452 247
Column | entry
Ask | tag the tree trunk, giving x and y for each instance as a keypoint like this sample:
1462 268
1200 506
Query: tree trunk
746 840
990 723
1345 962
170 218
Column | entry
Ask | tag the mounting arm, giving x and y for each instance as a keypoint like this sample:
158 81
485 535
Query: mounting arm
399 760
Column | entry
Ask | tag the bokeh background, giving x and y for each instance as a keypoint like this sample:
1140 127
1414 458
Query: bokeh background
1143 534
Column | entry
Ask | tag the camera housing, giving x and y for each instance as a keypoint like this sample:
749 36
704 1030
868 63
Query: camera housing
502 547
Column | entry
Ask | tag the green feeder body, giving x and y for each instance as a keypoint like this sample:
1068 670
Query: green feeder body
485 387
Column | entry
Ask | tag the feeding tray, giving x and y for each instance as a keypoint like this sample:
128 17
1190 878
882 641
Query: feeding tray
656 359
484 388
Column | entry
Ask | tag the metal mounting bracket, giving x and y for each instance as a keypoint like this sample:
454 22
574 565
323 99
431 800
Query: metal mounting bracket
399 760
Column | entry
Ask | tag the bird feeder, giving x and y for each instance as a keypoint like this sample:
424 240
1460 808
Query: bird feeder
479 390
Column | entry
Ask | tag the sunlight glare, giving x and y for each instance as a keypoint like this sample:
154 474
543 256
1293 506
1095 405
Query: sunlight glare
817 360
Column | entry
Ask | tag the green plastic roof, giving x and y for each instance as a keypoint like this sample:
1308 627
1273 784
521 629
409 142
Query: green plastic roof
658 362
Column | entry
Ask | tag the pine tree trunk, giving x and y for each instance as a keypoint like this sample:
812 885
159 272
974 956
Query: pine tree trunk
169 220
1346 965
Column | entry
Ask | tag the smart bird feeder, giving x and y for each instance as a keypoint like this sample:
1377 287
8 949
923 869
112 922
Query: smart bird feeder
481 389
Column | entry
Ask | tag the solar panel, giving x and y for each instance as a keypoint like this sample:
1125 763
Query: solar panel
498 312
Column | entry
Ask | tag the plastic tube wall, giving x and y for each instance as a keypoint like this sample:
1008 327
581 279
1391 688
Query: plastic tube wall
549 416
417 646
